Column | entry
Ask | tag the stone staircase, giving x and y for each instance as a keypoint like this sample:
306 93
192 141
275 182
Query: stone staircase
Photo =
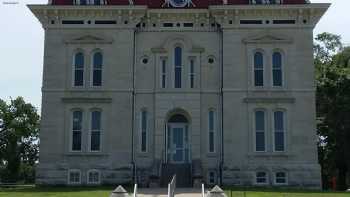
182 171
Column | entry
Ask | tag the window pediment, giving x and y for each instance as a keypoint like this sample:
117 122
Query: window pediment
88 39
267 39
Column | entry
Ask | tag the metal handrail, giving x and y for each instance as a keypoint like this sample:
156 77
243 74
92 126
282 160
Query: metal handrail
135 190
172 186
203 190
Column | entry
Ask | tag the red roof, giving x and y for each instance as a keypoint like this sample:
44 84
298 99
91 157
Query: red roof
159 3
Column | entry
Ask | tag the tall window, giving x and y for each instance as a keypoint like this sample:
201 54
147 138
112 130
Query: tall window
163 73
143 131
277 69
95 138
178 66
192 73
279 131
97 69
93 177
79 69
258 69
211 125
259 131
280 178
77 130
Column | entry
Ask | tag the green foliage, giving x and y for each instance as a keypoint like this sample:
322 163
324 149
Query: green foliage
18 138
333 107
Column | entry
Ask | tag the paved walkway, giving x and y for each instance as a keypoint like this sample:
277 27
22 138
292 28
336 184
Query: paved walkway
163 192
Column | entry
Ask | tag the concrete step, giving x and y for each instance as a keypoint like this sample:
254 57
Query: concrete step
163 192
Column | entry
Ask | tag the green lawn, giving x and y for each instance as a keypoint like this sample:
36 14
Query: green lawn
105 191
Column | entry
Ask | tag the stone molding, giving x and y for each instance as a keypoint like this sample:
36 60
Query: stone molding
86 100
88 39
268 100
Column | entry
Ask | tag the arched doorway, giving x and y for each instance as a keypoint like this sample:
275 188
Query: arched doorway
177 139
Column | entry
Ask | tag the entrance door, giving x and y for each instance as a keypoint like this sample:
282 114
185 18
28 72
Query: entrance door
177 143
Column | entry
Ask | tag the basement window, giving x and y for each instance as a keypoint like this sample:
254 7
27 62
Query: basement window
105 22
73 22
283 21
168 25
251 22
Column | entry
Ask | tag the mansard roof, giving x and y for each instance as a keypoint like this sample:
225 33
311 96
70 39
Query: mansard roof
159 3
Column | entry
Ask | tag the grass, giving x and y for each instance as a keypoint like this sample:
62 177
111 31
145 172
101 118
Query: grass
104 191
275 192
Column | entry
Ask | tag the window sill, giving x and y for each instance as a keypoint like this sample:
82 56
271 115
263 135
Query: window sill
269 154
86 154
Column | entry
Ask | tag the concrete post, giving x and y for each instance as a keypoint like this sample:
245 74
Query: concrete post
119 192
216 192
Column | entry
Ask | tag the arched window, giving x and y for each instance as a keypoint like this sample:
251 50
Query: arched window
77 130
143 131
279 130
258 69
178 66
211 129
97 69
259 130
277 69
79 69
95 133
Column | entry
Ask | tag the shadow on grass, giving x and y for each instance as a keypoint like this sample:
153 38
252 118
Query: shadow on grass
278 190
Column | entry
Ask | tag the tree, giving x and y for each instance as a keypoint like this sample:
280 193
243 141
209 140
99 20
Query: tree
18 137
333 107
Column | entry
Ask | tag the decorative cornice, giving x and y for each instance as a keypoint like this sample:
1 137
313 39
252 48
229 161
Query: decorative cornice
267 39
88 39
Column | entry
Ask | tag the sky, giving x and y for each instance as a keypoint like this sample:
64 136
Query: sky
22 45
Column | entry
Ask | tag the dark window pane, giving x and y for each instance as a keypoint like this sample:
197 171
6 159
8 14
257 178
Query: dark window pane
97 78
178 77
277 77
97 2
76 146
260 120
83 2
260 141
279 141
163 81
144 120
178 56
279 123
77 119
79 61
95 141
277 60
143 141
211 141
258 60
259 78
96 120
78 78
192 81
98 60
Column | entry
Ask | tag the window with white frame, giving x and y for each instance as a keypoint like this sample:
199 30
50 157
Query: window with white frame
277 69
211 126
258 69
77 125
74 177
178 67
192 72
78 69
163 72
280 178
93 177
261 177
279 130
260 131
143 131
97 69
95 133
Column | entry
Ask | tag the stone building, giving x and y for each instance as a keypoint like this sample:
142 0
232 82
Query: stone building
216 91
